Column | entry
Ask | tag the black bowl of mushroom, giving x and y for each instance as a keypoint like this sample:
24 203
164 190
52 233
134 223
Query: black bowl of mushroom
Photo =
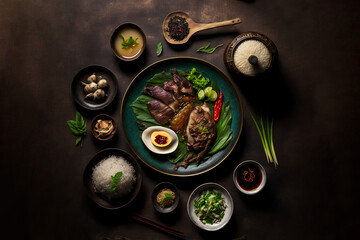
94 87
103 127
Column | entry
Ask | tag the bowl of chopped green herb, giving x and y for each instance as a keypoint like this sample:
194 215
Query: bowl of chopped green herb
210 206
165 197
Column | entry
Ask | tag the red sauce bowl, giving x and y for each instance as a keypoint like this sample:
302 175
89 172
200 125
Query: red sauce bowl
249 177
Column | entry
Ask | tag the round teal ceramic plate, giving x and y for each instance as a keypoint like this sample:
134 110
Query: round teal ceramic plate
130 128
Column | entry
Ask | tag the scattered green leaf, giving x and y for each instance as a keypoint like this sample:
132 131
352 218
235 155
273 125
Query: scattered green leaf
159 49
78 127
207 49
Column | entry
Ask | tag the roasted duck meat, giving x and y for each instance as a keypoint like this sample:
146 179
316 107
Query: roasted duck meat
162 95
172 87
200 133
161 112
183 84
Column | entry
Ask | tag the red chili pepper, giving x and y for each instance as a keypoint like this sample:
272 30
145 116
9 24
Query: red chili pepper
217 107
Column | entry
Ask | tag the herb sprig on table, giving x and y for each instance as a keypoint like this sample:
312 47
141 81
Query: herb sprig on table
78 127
115 180
129 43
207 49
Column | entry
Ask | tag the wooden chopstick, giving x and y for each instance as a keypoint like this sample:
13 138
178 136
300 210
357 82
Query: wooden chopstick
159 226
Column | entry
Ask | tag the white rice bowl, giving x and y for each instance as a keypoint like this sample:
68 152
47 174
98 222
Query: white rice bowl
108 167
245 50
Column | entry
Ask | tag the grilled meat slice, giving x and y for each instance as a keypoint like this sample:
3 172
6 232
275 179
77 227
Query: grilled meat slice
162 95
172 87
183 84
161 112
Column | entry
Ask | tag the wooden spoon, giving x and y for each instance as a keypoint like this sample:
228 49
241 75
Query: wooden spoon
194 26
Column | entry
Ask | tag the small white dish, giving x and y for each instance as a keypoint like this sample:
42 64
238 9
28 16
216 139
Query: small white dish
146 138
196 194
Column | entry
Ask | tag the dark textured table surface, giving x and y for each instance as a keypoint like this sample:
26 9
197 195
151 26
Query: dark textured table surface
314 94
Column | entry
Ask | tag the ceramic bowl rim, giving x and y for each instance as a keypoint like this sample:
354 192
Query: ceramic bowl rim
230 205
262 184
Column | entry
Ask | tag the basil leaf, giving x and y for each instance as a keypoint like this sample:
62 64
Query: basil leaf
115 180
78 118
78 140
73 127
78 127
159 49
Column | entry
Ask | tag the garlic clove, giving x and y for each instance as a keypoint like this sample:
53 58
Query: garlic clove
103 83
90 95
92 78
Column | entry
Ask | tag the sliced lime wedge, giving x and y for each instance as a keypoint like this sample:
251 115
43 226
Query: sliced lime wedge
213 96
201 94
208 91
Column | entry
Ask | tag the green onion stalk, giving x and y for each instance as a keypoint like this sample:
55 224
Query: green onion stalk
266 137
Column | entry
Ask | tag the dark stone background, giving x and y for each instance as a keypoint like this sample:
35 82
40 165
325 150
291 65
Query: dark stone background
314 93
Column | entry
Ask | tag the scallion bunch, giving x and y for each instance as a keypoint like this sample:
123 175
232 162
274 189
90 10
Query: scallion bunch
266 136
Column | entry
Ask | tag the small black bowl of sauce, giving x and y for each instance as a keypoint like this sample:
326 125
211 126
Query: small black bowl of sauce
249 177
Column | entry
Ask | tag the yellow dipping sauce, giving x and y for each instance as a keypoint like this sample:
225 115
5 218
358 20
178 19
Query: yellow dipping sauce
132 51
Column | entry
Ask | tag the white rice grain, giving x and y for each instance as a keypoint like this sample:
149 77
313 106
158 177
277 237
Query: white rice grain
108 167
245 50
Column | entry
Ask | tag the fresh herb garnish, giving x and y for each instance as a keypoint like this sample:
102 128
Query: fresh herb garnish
168 196
159 49
115 180
198 81
78 127
129 43
206 49
266 138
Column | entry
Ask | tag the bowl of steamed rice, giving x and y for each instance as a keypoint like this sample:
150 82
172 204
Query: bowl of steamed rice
112 178
250 54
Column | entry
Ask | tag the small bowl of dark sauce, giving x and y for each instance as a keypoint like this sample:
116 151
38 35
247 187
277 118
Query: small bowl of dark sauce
249 177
